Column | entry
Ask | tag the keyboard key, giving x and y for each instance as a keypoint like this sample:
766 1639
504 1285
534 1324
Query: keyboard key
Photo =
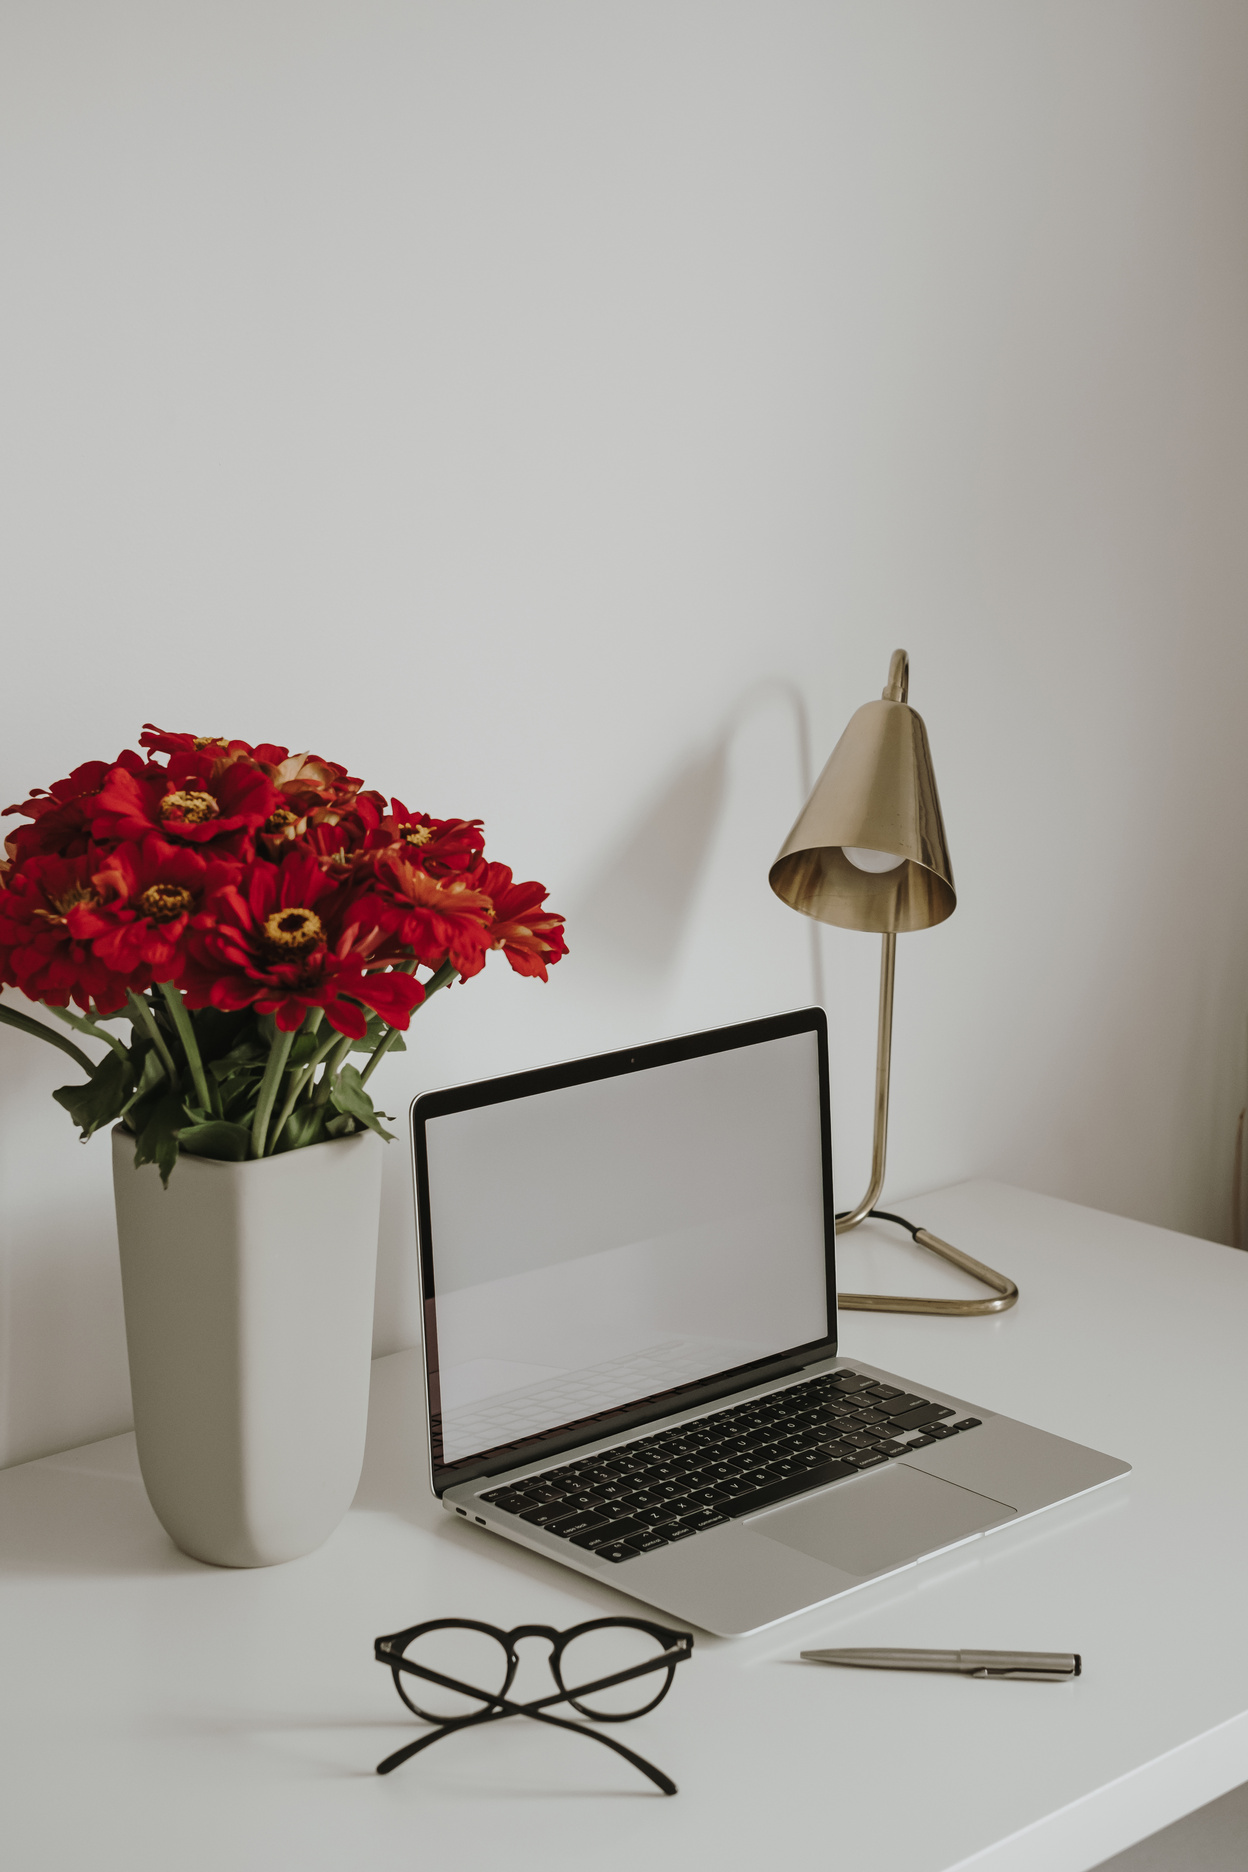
567 1526
541 1517
939 1430
891 1447
709 1518
680 1506
650 1542
621 1551
967 1423
867 1458
775 1491
679 1530
920 1418
920 1442
885 1391
606 1536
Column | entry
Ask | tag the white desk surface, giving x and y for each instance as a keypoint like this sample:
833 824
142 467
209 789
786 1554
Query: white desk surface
157 1713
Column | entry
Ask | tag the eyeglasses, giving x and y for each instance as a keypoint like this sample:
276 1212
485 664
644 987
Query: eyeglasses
603 1662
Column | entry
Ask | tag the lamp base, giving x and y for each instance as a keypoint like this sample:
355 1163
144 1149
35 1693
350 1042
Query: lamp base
1002 1286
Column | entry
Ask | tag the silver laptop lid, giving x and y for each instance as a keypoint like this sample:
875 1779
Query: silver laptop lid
617 1238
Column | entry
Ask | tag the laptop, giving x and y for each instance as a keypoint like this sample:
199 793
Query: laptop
629 1282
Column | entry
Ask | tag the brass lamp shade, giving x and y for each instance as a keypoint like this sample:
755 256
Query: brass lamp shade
877 791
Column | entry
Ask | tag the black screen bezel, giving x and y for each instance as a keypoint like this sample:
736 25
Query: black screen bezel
581 1072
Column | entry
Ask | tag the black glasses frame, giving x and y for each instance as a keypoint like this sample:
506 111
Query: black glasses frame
496 1705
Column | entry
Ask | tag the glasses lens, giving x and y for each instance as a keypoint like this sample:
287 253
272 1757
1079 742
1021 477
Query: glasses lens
471 1657
593 1655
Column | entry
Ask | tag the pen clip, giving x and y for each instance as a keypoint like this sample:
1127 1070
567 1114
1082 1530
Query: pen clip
1027 1676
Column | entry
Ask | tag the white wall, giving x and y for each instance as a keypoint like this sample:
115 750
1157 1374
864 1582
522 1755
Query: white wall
558 411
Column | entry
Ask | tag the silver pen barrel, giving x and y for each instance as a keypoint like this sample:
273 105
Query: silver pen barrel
890 1658
1036 1666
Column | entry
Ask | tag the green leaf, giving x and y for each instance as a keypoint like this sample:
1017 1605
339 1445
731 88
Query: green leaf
240 1087
306 1125
229 1142
246 1053
157 1142
102 1099
305 1048
341 1126
350 1098
218 1033
152 1075
377 1031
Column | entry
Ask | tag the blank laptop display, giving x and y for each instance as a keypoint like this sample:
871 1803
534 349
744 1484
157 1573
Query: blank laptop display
633 1234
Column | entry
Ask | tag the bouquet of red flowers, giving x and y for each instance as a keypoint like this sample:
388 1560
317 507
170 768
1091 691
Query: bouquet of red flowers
255 916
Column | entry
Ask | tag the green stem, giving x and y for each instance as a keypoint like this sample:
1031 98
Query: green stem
190 1046
331 1069
439 980
279 1052
299 1078
86 1026
25 1024
144 1018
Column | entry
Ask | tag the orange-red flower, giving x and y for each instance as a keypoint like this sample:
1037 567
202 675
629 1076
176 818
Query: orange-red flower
531 938
436 919
283 938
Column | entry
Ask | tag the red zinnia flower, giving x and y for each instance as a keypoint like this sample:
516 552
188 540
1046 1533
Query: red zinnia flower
62 815
437 919
438 846
530 938
161 742
146 895
203 801
284 938
42 948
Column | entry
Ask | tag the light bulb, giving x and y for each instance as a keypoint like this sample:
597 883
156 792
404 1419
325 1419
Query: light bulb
866 860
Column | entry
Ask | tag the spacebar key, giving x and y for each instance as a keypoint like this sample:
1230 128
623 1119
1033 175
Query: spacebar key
789 1485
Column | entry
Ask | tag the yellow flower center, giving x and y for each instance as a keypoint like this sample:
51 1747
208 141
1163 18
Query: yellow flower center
67 901
279 821
190 808
208 740
293 932
415 834
164 902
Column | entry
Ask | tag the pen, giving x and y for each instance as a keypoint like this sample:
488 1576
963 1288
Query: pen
1032 1666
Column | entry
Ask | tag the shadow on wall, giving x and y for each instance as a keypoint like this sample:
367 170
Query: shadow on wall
636 910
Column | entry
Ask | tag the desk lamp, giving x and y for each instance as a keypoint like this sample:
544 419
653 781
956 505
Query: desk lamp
868 852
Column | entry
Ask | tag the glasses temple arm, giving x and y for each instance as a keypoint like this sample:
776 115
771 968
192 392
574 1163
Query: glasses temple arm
660 1780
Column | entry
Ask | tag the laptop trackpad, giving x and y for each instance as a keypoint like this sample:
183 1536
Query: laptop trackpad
881 1521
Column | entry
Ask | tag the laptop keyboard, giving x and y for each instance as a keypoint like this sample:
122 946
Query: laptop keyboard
642 1496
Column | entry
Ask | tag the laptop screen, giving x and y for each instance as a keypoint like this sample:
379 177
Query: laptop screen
591 1243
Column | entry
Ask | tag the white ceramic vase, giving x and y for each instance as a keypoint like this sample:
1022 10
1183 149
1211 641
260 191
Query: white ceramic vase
248 1293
